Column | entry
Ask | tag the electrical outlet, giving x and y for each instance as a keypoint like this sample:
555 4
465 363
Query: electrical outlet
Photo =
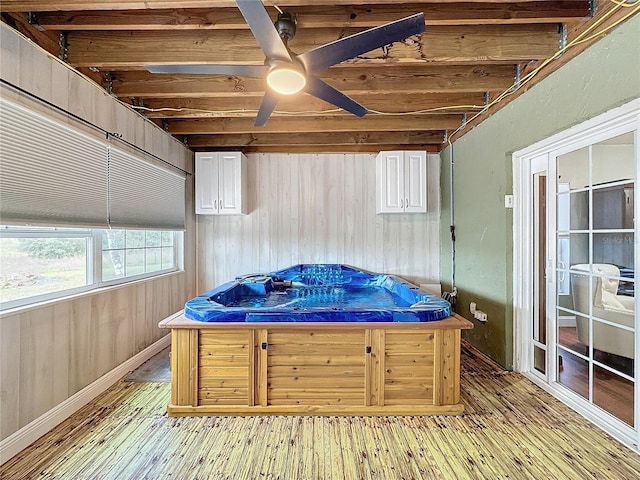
480 316
472 307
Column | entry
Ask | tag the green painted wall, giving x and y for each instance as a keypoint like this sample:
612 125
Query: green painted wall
604 76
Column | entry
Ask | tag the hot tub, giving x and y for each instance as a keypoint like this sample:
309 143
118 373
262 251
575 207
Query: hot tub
317 293
316 340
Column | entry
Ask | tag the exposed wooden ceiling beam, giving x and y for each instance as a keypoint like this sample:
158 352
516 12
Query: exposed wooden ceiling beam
319 16
472 43
310 148
351 80
469 48
317 138
243 106
76 5
296 124
609 14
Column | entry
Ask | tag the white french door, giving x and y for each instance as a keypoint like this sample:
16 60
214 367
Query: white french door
575 258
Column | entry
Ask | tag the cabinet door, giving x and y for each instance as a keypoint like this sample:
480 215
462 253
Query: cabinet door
415 182
313 367
390 178
224 367
230 183
206 183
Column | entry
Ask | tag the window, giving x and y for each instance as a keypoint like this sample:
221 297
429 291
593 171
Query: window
128 253
36 263
41 263
111 211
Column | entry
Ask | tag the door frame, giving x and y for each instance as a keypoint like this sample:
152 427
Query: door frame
606 125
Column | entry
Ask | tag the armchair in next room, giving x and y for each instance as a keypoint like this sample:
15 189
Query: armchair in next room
605 304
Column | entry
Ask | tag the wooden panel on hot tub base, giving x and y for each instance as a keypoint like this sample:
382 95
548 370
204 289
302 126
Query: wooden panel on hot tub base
316 369
327 410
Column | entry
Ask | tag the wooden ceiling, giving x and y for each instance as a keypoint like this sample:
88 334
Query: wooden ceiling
419 92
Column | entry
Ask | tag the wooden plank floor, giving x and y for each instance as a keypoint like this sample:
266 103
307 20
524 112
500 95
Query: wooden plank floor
511 429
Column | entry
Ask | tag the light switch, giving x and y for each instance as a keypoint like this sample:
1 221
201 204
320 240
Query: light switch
508 201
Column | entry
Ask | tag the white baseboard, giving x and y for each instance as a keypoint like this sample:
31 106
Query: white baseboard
13 444
567 321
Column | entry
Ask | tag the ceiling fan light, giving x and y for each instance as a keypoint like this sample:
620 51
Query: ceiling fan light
286 80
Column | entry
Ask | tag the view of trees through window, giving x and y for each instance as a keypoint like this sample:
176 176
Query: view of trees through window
133 252
41 263
36 266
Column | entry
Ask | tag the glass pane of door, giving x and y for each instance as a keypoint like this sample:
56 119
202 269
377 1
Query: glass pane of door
595 273
539 326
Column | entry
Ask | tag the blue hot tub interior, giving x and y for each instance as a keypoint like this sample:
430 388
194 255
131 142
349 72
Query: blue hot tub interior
317 293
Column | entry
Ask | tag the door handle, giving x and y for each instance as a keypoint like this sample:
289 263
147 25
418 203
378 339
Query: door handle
562 271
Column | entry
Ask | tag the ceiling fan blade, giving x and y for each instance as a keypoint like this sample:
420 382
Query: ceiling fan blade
349 47
267 107
242 70
326 92
263 29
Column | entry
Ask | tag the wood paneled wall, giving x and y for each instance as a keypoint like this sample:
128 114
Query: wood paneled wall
319 208
50 352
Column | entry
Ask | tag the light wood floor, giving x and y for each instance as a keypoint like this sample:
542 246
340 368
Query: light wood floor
511 429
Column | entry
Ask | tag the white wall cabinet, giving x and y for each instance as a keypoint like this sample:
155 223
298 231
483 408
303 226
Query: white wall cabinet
401 182
220 183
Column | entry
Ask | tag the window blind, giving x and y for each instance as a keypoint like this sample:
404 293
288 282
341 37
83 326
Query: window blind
143 194
50 174
57 175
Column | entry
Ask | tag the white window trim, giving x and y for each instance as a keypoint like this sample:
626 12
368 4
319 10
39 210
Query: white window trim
134 278
606 125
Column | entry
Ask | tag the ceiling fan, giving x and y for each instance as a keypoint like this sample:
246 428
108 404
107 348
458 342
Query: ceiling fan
287 73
